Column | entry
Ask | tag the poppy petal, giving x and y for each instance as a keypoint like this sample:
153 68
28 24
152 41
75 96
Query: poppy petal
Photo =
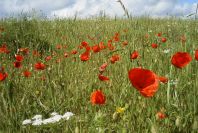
145 81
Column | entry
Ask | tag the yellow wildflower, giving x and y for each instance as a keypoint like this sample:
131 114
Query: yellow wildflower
120 110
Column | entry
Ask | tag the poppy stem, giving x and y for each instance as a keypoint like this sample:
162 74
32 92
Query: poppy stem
139 64
168 89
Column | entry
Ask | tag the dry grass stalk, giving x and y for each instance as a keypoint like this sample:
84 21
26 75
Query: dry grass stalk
124 8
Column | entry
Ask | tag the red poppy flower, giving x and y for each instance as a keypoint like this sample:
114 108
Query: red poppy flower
85 56
59 46
74 52
88 48
96 49
84 43
116 37
196 54
110 46
134 55
80 47
58 60
17 64
3 76
66 54
48 58
97 97
159 34
145 81
36 53
163 79
103 67
24 50
114 58
181 59
163 39
2 69
125 43
101 45
18 57
26 73
3 49
160 115
39 66
154 45
110 41
103 78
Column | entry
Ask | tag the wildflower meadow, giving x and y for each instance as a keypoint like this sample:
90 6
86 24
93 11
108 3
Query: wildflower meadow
99 75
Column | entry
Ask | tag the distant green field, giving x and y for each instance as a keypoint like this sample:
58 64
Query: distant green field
66 83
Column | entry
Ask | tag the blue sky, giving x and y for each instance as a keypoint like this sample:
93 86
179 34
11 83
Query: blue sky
188 1
87 8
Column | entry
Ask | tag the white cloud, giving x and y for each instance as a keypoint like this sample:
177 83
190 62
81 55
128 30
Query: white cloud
17 6
184 9
86 8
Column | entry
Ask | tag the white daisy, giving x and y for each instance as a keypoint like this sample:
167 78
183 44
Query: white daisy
49 120
37 122
53 119
54 113
36 117
27 121
67 115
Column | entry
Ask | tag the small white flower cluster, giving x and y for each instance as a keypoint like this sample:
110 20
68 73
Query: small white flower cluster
150 31
173 82
166 51
55 117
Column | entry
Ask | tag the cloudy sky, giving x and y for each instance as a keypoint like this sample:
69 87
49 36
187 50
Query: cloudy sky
87 8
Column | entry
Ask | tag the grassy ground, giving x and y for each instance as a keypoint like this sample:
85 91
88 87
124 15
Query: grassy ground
69 84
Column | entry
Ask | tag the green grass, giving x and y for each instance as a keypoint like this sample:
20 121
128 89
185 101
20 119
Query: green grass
69 84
